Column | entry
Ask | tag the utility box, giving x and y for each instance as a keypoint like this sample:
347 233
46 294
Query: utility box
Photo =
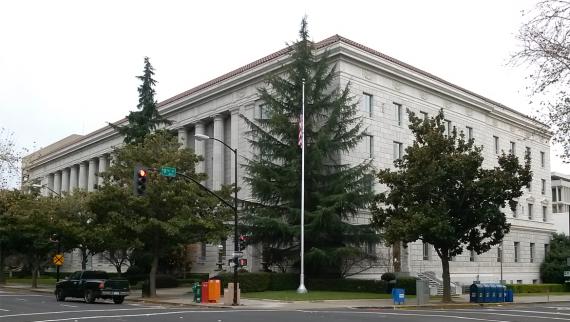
422 292
229 295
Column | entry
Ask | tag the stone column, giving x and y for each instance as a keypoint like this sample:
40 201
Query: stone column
73 177
234 138
83 175
57 181
218 153
102 168
91 177
44 191
50 181
200 147
183 137
65 180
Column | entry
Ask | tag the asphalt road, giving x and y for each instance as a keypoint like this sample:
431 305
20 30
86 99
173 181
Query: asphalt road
27 307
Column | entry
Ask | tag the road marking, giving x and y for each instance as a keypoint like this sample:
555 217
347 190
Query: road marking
67 305
496 312
76 311
20 295
171 313
4 310
403 313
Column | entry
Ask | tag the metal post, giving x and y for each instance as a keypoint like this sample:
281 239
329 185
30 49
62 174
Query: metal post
501 250
57 266
302 288
236 238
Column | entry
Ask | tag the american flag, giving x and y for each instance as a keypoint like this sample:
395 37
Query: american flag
300 139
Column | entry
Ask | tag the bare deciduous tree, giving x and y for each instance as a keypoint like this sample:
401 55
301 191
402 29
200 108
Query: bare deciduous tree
545 47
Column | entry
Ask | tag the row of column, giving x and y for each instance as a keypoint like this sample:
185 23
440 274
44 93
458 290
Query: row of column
219 151
83 176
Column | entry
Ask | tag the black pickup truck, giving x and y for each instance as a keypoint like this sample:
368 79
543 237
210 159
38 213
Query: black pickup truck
92 285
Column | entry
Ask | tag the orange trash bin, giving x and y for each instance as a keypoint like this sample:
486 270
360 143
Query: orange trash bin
214 289
205 292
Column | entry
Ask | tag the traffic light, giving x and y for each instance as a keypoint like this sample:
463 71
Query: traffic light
242 242
139 180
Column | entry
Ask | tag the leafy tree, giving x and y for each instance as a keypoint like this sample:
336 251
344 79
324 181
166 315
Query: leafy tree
8 229
171 212
334 190
545 47
554 265
79 226
35 219
146 119
440 194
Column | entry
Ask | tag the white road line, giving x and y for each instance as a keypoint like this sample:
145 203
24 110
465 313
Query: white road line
520 311
496 312
67 305
76 311
404 313
4 310
21 295
173 312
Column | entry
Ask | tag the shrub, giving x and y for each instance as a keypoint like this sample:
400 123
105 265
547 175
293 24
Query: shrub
407 283
248 282
347 285
283 281
388 277
536 288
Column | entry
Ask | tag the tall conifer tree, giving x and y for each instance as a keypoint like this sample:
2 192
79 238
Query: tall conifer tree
146 119
335 191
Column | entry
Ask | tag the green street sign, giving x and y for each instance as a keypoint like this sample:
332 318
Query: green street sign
168 172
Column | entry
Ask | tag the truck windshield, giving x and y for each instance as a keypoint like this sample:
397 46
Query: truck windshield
95 275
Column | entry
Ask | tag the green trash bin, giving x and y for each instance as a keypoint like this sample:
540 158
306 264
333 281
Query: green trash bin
197 290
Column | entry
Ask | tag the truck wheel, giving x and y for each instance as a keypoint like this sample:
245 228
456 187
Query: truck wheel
118 299
89 296
59 295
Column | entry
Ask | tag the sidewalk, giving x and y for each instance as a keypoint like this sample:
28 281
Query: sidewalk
182 296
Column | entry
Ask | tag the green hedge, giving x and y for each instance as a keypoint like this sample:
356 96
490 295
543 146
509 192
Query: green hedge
259 282
537 288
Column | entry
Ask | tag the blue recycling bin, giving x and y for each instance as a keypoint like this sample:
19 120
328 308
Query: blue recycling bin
492 293
477 293
398 296
509 296
501 292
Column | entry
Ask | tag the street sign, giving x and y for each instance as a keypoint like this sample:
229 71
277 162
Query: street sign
58 259
238 254
566 273
168 172
567 261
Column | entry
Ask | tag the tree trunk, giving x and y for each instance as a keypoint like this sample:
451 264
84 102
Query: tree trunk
396 257
2 277
84 259
35 270
153 268
446 280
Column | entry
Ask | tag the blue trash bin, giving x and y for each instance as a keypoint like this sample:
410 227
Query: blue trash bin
475 293
501 292
509 296
398 296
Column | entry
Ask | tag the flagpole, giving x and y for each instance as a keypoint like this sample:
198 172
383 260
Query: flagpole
302 288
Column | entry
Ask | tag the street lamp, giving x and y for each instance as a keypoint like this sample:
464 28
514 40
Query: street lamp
37 185
203 137
501 257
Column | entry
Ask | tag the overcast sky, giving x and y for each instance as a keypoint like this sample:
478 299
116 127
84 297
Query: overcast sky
69 66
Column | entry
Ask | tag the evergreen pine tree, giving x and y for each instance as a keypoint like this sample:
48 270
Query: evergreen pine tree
146 119
334 191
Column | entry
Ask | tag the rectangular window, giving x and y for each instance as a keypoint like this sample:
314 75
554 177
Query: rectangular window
496 141
542 186
532 251
544 213
512 148
517 246
519 281
553 194
529 186
398 110
472 256
448 127
398 147
469 133
366 105
546 249
534 281
528 151
424 115
203 251
530 214
542 159
368 141
499 254
371 248
426 251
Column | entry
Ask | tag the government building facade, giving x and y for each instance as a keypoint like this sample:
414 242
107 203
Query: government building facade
385 88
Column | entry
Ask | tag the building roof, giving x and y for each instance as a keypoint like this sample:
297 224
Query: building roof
560 176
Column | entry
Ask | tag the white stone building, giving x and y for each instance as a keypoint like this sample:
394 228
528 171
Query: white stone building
386 87
561 202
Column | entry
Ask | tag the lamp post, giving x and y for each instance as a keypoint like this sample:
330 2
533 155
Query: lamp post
37 185
501 253
235 209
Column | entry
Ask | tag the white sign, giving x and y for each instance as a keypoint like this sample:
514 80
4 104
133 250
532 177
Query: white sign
566 273
238 254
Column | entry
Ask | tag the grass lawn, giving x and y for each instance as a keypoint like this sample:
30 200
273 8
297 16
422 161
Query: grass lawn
28 281
542 294
316 295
